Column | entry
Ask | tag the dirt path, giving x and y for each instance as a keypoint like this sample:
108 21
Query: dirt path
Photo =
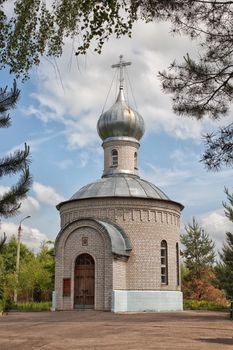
74 330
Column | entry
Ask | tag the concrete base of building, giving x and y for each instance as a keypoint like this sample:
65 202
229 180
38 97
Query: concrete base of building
149 300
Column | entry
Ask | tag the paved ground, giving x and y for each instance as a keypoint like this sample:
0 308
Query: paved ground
74 330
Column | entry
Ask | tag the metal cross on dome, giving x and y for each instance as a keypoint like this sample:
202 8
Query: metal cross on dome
121 65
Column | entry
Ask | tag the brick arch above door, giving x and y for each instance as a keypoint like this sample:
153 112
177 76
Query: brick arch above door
120 243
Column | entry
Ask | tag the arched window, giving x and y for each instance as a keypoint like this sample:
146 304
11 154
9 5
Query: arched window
177 265
114 157
135 160
164 263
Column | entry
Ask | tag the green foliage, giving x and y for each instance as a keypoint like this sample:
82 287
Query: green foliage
32 306
37 29
203 288
228 207
7 266
9 255
204 305
198 250
2 242
198 277
2 283
36 279
184 271
36 275
224 269
2 305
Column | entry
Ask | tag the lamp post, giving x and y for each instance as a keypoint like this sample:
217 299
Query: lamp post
17 258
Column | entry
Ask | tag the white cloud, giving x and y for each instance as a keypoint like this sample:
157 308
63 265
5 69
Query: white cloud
4 189
216 224
83 159
76 102
32 237
64 163
184 180
166 177
35 143
28 205
47 194
161 118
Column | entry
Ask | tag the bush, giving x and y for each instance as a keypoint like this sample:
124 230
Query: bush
42 306
204 305
2 305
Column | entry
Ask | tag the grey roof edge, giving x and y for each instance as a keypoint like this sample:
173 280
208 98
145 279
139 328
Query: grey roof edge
128 245
59 205
120 242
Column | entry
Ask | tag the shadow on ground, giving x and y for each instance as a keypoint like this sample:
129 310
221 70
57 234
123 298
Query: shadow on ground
226 341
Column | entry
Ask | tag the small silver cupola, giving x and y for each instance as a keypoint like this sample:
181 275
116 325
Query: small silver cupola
121 120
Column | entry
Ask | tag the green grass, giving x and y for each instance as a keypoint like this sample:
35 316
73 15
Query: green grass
203 305
46 306
42 306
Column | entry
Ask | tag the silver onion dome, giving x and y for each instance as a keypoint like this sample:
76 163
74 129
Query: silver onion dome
120 120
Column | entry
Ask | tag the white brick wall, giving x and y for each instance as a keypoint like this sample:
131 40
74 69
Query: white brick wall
69 247
145 221
126 150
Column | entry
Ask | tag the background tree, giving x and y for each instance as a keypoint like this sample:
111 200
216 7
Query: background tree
9 254
228 206
13 163
2 273
2 242
7 269
203 288
224 269
198 277
45 284
34 281
219 148
198 252
36 276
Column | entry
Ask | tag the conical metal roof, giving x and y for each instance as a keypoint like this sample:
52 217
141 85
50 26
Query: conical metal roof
120 186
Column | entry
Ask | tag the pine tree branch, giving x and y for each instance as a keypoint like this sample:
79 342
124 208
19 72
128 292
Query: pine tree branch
15 162
228 207
2 242
5 121
219 148
8 100
10 201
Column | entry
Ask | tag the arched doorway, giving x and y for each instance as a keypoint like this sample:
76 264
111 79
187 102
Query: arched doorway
84 282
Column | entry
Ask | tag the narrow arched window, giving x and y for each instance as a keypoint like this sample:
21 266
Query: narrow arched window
177 265
135 160
164 263
114 157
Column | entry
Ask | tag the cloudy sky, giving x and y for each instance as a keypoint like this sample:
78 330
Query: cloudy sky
57 116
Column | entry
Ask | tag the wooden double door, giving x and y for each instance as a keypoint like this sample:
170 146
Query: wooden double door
84 282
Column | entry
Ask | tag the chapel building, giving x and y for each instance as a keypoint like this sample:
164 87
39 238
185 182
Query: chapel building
118 247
